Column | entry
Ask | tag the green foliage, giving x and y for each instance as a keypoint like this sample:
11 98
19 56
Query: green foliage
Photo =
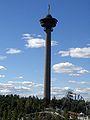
24 117
13 107
57 118
29 117
4 115
14 114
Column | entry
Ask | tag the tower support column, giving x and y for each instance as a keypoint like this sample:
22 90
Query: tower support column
47 74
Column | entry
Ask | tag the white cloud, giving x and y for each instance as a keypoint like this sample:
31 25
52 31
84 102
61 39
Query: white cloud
66 88
28 88
2 76
64 53
87 89
72 81
20 77
83 90
65 67
78 82
2 68
62 92
26 35
39 36
2 57
83 71
5 88
59 92
5 91
83 82
39 85
28 83
76 52
13 51
53 43
35 42
74 74
22 88
69 68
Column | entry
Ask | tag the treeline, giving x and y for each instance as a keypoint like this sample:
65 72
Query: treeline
67 104
13 107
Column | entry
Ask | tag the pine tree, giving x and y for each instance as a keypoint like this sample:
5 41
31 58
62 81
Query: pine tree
36 116
29 117
4 115
24 118
14 115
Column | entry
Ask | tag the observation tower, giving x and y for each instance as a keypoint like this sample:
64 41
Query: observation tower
48 23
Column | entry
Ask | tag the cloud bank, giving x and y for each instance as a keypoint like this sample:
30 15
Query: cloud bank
76 52
29 88
69 69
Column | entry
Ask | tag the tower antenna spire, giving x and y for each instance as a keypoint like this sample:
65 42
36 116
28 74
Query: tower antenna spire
49 7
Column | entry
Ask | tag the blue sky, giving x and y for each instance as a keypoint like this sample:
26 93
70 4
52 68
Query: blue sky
22 47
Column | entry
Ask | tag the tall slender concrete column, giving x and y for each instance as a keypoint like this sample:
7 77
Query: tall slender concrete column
47 74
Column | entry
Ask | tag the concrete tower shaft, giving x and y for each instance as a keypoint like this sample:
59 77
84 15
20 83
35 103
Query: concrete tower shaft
48 23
